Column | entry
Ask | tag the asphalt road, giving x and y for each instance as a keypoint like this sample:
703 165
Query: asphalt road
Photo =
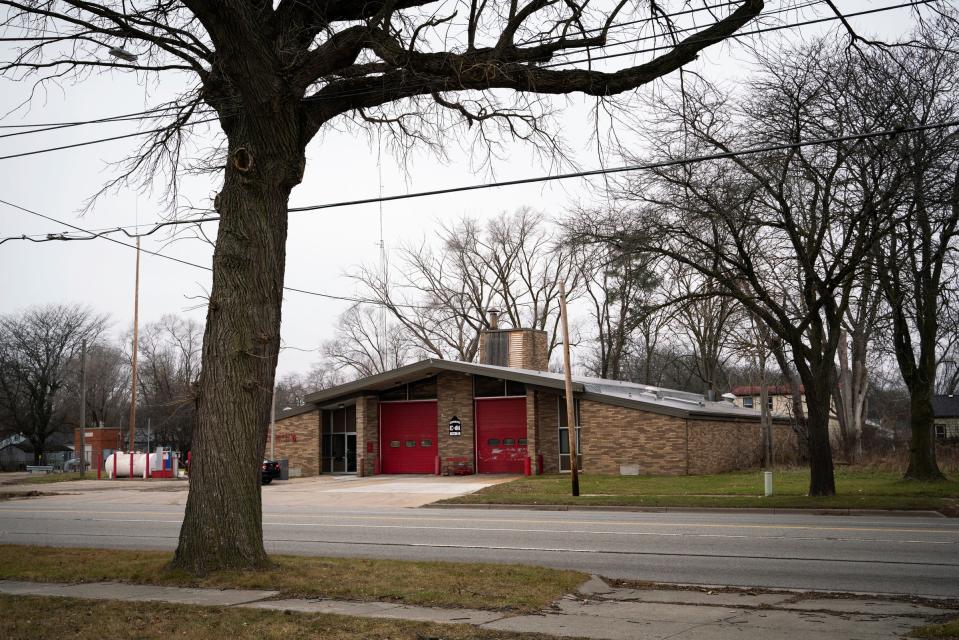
916 556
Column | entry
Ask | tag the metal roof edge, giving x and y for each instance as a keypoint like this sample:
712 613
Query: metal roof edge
634 403
526 376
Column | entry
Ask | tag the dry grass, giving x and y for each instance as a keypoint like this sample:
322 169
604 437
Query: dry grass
943 631
438 584
41 618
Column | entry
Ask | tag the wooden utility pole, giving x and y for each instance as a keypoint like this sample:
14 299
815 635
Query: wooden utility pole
81 454
136 332
570 405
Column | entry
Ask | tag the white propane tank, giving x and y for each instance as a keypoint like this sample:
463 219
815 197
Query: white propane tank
139 464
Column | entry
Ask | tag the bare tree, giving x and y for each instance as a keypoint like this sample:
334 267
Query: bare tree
108 386
440 295
782 231
168 371
915 261
292 389
366 347
274 74
705 319
618 289
36 349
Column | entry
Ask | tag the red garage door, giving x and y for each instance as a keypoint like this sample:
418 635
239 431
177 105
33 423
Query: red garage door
408 437
500 435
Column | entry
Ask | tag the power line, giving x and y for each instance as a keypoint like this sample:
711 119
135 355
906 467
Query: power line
99 140
740 34
630 168
318 294
533 179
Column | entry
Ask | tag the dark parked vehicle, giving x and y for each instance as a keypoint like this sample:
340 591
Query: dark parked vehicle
271 471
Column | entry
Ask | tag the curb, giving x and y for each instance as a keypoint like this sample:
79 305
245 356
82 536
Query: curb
889 513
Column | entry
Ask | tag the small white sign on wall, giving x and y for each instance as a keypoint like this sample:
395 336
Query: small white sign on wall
456 427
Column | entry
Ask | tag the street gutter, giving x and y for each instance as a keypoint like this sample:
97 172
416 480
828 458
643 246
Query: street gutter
892 513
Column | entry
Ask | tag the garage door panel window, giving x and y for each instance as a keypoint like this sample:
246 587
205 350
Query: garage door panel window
564 435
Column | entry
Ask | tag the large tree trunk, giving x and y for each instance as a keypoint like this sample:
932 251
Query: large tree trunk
240 348
922 446
818 394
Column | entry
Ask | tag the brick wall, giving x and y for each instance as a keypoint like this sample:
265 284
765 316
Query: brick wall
454 392
717 446
547 425
298 440
367 431
613 436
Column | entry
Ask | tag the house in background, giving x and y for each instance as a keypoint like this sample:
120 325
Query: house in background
945 412
16 452
507 414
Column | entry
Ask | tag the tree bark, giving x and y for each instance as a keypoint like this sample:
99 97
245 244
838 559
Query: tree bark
240 346
818 394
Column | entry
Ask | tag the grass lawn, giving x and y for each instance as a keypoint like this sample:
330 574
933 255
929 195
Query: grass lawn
437 584
41 618
944 631
857 489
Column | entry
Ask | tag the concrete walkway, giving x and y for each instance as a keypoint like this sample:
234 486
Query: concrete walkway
598 611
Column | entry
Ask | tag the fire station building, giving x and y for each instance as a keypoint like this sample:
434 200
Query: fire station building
507 415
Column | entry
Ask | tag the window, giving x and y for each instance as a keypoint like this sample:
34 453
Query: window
426 443
509 442
493 442
946 431
564 435
769 403
410 444
748 402
424 389
485 387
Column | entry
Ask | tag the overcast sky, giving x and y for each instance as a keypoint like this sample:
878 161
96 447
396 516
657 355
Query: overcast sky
322 246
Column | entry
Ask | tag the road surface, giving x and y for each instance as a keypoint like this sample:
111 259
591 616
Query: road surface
916 556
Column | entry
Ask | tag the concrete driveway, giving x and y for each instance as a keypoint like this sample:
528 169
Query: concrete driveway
344 492
377 491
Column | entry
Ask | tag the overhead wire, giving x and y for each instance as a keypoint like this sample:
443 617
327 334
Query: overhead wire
319 294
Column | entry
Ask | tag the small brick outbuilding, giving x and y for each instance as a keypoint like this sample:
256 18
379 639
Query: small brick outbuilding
458 417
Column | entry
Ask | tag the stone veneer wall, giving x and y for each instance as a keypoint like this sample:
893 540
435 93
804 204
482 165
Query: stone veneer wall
303 452
454 392
367 431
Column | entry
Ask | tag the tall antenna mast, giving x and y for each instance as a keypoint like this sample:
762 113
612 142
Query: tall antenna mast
384 269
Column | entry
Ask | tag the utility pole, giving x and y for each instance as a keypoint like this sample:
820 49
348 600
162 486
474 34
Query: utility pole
273 425
136 331
81 455
570 405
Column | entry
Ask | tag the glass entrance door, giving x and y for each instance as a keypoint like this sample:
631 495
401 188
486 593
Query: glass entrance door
338 444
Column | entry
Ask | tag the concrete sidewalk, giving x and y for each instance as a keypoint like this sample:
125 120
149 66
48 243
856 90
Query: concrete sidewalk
598 611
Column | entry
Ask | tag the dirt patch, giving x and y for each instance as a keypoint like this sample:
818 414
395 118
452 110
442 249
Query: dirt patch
22 495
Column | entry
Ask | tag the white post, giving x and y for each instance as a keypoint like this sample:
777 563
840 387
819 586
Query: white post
767 483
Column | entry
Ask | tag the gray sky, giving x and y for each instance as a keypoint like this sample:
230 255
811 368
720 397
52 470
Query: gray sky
322 246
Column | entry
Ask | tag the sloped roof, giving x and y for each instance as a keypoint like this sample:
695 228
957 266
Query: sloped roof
945 406
638 396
